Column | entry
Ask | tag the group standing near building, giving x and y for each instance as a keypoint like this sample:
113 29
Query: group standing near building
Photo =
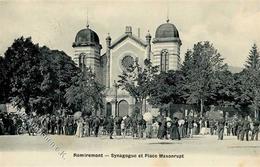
137 127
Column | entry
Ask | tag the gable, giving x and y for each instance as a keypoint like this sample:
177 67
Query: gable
125 37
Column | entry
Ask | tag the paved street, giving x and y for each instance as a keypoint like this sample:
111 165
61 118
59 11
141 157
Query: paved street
198 151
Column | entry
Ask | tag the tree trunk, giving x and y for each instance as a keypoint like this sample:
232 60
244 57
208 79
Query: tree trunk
145 110
255 109
137 107
256 114
141 106
201 107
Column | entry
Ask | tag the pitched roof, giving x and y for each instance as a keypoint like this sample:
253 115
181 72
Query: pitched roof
125 36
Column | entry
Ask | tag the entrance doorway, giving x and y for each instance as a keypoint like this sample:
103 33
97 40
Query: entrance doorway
123 108
109 109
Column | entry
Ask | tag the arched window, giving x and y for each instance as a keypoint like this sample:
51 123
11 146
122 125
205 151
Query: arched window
82 60
164 60
123 108
109 109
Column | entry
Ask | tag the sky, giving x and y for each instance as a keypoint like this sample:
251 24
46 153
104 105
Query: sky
233 26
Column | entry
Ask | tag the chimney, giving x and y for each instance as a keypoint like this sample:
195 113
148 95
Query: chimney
128 30
138 32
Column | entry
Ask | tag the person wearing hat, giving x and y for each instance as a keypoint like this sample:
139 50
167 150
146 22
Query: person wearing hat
190 128
174 130
221 125
245 129
110 126
1 127
255 130
96 124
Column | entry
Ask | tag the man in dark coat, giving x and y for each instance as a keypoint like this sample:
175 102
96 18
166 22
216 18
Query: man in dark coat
185 128
87 125
142 125
53 124
60 125
128 124
118 120
234 127
239 129
190 128
110 126
228 128
70 124
96 124
134 127
245 129
1 127
221 125
211 126
255 130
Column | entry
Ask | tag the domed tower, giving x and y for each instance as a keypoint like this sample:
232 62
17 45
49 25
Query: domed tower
166 47
87 50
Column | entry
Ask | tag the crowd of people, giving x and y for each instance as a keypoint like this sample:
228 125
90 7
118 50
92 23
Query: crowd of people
137 127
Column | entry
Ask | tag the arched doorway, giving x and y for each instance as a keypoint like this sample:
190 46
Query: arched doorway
123 108
109 109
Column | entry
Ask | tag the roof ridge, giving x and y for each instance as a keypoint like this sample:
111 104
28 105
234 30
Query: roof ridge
134 37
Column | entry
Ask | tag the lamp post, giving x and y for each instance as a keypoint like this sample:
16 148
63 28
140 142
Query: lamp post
116 105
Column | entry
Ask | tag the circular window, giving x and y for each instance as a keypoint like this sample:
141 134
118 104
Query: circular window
127 62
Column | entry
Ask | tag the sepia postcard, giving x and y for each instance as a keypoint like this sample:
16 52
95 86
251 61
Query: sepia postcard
144 83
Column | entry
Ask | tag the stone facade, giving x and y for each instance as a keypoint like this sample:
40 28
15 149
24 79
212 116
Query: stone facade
164 51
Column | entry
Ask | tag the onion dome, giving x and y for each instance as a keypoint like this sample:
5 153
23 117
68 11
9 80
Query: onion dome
166 32
86 37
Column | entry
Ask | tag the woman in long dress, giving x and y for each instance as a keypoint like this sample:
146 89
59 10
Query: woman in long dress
174 133
203 127
79 132
162 130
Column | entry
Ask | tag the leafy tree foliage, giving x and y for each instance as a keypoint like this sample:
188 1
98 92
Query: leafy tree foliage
58 70
137 80
200 67
253 59
166 88
85 94
223 90
250 81
4 84
23 62
38 76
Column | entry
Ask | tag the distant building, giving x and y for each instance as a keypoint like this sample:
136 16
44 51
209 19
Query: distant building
163 50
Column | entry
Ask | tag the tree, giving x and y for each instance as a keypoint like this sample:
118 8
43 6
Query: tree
38 76
223 90
166 88
242 98
250 79
136 81
57 69
85 93
253 59
23 64
199 67
4 82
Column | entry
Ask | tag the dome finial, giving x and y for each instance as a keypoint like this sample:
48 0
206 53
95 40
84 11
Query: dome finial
167 20
87 19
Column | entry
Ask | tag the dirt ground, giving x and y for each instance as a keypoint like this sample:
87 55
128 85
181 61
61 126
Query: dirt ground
54 150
